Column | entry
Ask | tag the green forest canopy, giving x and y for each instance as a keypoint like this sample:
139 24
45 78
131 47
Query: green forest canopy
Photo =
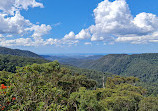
10 62
18 52
51 87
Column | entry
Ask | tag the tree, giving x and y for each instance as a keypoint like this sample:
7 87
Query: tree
149 104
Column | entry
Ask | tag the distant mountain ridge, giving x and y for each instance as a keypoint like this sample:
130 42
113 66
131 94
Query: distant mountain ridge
18 52
143 66
72 60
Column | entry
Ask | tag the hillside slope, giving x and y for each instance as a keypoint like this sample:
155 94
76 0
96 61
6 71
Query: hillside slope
17 52
144 66
10 62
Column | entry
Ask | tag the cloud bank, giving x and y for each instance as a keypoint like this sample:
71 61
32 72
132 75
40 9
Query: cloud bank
12 23
113 23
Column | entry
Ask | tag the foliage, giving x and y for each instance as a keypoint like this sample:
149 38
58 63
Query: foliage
45 86
7 101
122 97
10 62
17 52
50 87
92 74
142 66
149 104
84 100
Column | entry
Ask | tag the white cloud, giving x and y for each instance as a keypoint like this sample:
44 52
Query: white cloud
138 39
13 23
69 39
51 41
68 42
17 42
28 42
70 36
115 23
84 34
147 22
10 6
88 43
111 18
24 4
39 30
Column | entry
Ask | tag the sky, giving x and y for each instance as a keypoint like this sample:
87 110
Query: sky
80 26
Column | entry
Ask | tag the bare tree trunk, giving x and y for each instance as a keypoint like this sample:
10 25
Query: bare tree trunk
103 82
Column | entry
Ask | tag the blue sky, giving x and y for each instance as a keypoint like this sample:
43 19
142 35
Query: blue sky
64 20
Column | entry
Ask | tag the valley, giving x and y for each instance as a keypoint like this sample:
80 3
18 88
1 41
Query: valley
99 79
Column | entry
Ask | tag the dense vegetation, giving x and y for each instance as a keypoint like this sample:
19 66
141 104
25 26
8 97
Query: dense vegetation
54 87
17 52
51 87
10 62
143 66
98 76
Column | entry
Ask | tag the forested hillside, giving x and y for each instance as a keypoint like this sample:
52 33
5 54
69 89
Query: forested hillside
143 66
17 52
33 84
98 76
49 87
10 62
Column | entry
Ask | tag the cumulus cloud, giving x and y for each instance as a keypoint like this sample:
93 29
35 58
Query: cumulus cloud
13 23
39 30
51 41
72 39
84 34
115 23
28 42
69 36
10 6
69 39
15 42
112 17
